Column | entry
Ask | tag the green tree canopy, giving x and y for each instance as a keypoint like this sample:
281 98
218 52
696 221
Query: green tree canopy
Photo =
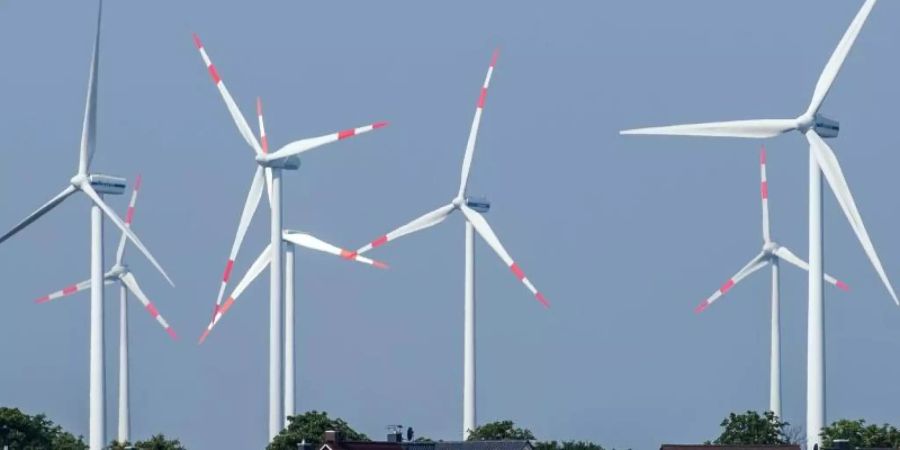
751 428
861 435
21 431
157 442
567 445
310 427
501 430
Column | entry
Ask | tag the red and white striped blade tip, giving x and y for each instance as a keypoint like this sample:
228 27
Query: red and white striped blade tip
701 307
543 300
197 41
172 333
203 336
494 57
842 286
380 265
762 155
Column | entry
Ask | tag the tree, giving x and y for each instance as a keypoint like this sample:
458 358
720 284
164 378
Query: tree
310 427
751 428
567 445
861 435
22 431
157 442
504 430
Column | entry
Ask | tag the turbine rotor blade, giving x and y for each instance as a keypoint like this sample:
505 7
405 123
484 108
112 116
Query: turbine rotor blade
833 67
255 269
305 145
233 109
473 131
89 126
787 255
482 227
313 243
427 220
834 175
66 291
129 216
46 207
247 213
758 262
752 129
764 194
89 191
132 285
265 146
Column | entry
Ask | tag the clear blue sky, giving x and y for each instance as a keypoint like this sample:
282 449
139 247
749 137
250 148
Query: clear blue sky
623 235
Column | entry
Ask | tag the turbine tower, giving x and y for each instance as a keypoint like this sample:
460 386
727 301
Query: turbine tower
471 208
268 172
822 160
93 186
772 253
121 274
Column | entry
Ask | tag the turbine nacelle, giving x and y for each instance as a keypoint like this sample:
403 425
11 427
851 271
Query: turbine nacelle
825 127
289 163
480 204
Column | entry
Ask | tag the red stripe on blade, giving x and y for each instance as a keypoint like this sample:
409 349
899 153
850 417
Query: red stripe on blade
152 309
482 97
378 125
379 264
137 182
43 299
227 305
346 133
172 333
203 336
129 216
214 74
764 189
727 286
380 241
228 266
701 307
841 285
494 57
762 155
69 289
517 271
197 41
348 254
543 300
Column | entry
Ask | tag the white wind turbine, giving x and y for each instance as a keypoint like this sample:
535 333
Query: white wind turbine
772 253
268 172
290 238
814 127
93 186
471 208
120 273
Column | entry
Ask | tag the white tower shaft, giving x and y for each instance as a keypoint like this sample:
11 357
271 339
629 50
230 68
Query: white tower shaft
124 434
815 342
288 332
276 418
469 419
775 363
97 427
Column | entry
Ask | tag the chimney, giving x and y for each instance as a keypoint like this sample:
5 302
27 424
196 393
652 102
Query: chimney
332 437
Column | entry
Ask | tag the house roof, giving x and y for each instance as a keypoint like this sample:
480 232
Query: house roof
728 447
468 445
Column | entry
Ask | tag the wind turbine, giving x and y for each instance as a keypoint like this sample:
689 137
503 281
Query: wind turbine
93 186
471 208
121 274
268 171
814 126
772 253
290 238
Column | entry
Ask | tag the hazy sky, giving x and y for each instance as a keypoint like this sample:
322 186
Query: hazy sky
623 235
